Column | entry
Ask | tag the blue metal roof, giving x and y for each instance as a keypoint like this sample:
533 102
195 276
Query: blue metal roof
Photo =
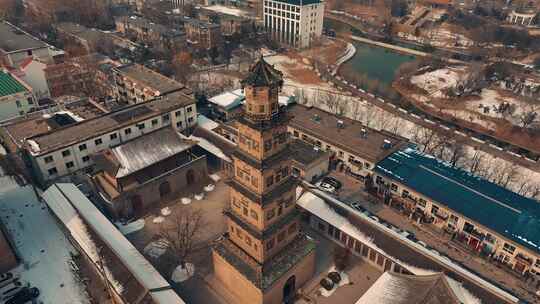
505 212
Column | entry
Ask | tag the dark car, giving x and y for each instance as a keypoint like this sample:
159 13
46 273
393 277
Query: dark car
26 294
332 181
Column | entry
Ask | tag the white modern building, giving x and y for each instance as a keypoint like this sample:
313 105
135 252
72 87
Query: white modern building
16 97
66 150
297 23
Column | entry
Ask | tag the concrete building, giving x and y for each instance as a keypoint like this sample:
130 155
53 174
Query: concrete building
388 249
203 35
355 148
130 277
68 149
135 83
88 38
264 257
17 45
488 218
88 75
297 23
32 72
16 97
156 35
308 162
144 171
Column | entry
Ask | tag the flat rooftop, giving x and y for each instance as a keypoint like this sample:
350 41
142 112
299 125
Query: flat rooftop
305 153
150 78
89 128
299 2
20 128
503 211
13 39
9 85
350 137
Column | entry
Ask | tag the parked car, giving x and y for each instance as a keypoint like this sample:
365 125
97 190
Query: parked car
24 295
326 187
10 290
7 278
373 217
332 181
358 207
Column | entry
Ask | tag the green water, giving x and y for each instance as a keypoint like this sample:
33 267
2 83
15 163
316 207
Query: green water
376 62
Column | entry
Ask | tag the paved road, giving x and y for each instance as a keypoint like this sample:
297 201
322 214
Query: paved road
470 137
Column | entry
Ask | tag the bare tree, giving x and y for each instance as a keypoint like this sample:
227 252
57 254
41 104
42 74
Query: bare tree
529 116
180 235
181 64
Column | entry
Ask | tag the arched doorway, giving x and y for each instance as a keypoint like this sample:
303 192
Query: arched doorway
289 290
190 176
137 204
164 189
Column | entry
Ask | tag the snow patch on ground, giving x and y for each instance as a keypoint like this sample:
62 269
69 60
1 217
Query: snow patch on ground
185 201
155 249
199 196
158 220
209 188
166 211
181 274
435 82
44 250
130 227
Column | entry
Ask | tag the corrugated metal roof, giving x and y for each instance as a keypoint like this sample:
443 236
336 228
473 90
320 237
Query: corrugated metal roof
66 198
149 149
505 212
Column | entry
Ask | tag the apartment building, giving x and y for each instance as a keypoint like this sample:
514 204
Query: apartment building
66 150
297 23
135 83
489 219
355 148
203 35
17 45
16 97
157 35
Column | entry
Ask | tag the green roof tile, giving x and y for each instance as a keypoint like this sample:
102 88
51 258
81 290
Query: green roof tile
503 211
9 85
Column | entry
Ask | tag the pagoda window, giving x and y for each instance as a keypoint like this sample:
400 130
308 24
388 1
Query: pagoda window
254 215
270 214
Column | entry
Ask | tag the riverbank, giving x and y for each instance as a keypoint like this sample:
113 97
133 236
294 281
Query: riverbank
396 48
349 53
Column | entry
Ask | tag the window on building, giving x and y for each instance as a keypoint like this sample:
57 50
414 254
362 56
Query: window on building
98 141
189 109
238 233
127 131
331 230
394 187
270 214
48 159
165 117
405 194
248 240
52 171
340 154
66 153
296 134
321 227
30 100
434 209
269 181
154 122
358 247
245 211
18 103
365 251
337 234
509 248
141 126
69 165
254 181
190 119
178 113
254 215
267 145
82 147
422 202
113 136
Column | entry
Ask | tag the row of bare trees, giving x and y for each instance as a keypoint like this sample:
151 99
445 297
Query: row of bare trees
446 147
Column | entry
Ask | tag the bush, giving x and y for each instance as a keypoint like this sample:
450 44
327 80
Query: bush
327 284
334 276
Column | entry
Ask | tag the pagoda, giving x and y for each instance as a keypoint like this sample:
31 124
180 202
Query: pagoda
264 257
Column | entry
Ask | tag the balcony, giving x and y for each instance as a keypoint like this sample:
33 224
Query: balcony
442 215
523 259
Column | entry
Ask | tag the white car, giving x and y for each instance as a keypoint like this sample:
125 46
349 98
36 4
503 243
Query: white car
326 187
